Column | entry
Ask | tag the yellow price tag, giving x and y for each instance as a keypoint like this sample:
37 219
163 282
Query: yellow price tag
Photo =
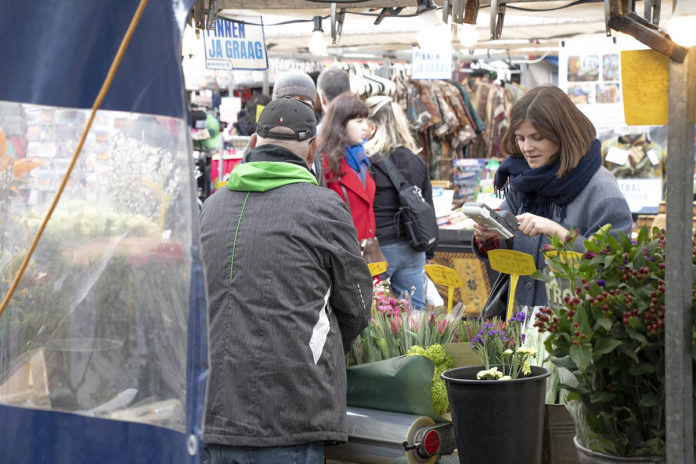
442 275
259 109
511 262
446 276
570 257
514 263
377 268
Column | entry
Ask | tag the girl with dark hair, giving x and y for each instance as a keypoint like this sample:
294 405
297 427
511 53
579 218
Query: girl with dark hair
343 132
553 181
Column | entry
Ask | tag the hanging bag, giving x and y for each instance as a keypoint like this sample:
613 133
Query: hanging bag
415 215
496 304
369 247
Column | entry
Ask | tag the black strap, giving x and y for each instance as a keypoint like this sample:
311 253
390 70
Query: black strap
390 169
345 194
319 168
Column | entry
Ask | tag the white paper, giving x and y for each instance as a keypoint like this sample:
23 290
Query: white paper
653 157
617 156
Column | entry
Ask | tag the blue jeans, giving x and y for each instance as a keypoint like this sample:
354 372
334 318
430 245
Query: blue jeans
307 453
405 270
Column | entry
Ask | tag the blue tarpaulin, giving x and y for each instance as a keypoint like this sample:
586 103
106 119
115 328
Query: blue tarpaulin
103 347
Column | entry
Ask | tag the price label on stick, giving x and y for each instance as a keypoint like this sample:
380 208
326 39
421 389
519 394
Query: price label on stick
377 268
447 277
514 263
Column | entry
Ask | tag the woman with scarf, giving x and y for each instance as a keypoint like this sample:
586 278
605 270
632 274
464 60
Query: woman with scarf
553 182
343 132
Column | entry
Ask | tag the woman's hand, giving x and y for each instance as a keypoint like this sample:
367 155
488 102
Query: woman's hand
483 233
532 225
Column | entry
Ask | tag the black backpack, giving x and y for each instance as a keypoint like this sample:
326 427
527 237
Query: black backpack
416 214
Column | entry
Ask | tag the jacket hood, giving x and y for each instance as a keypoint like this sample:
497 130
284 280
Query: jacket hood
262 176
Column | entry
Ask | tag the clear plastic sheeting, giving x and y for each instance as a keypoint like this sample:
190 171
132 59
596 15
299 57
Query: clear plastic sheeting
98 323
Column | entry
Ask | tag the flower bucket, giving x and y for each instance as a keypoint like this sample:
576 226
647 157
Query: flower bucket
559 430
81 373
587 456
497 421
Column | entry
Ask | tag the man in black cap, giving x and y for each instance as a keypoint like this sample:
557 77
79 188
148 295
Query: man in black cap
288 292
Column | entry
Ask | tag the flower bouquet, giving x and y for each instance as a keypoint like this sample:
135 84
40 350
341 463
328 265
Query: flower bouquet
608 331
394 328
396 362
503 345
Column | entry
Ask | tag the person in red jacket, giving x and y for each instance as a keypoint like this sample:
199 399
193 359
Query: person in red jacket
345 164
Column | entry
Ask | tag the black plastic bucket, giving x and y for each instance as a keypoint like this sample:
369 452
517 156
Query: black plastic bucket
497 422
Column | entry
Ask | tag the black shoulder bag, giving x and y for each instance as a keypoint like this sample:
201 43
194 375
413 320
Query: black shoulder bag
416 215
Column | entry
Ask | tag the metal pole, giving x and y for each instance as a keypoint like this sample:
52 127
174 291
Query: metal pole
678 276
266 85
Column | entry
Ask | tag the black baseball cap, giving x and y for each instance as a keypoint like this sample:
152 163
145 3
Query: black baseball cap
287 112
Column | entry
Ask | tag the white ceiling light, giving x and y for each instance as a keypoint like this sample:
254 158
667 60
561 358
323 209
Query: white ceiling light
317 44
433 34
682 24
467 35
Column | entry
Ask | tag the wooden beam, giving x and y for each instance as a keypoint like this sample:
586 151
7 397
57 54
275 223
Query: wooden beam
678 319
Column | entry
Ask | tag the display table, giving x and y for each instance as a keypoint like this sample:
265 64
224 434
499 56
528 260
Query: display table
454 251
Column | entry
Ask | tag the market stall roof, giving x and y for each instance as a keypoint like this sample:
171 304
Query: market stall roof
529 25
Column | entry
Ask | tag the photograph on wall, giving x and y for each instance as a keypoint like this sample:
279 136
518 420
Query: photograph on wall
583 68
608 93
580 94
610 67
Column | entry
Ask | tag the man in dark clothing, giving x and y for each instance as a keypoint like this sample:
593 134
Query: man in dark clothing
331 83
288 292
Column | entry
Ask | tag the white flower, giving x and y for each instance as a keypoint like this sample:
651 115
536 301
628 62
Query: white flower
525 352
491 374
526 370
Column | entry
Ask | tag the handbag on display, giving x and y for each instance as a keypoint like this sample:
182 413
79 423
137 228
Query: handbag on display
496 304
416 214
371 250
369 247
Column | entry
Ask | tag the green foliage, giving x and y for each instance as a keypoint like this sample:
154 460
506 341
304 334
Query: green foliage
609 332
442 361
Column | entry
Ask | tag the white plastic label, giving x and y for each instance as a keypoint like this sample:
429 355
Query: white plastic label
617 156
653 157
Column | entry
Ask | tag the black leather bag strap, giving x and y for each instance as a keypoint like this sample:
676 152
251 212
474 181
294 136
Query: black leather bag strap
345 194
393 173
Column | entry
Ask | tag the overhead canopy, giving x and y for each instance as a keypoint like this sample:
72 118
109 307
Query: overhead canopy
537 30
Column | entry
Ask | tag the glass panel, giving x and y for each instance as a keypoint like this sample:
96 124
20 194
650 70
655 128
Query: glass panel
97 325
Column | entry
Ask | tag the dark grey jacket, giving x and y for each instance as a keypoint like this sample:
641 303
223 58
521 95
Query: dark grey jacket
600 202
288 292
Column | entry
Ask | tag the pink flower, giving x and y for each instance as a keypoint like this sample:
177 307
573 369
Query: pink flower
395 326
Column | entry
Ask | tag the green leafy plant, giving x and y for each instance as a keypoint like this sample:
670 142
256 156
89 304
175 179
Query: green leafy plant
608 330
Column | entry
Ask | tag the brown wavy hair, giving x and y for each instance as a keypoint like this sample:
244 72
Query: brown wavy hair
554 115
333 137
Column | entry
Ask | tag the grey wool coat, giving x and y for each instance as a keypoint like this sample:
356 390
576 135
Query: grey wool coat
600 202
288 292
